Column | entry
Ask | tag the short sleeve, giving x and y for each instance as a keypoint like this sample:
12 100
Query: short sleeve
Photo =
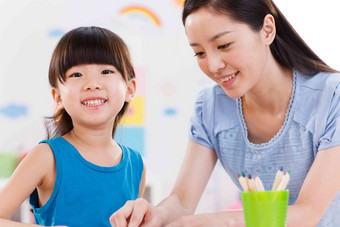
331 136
197 129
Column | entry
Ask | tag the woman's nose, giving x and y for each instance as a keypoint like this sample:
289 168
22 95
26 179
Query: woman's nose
215 63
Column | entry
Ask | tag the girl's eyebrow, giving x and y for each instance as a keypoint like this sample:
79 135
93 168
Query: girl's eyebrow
218 35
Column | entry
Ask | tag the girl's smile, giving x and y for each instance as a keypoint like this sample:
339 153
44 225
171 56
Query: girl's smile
99 90
94 102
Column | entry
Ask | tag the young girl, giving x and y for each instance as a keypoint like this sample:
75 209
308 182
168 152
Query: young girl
81 175
275 103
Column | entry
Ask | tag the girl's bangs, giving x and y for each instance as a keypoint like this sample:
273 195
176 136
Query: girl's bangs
87 50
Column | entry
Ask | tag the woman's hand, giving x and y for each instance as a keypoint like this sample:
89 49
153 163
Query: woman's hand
137 213
223 218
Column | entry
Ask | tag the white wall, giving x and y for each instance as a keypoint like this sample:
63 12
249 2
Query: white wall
29 33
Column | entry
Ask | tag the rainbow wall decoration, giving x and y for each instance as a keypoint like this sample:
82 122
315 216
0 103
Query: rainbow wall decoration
179 3
142 13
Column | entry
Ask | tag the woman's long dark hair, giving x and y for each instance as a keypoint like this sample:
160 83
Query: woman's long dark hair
288 48
86 45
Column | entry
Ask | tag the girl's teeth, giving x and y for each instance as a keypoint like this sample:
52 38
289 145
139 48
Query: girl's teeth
93 102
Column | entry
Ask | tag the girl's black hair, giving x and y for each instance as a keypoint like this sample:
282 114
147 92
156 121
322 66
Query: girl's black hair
86 45
288 48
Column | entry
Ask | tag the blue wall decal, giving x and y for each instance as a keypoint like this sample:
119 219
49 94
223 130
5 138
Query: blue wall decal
132 137
170 111
13 110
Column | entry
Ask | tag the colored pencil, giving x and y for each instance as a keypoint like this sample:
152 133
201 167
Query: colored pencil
258 183
284 181
243 182
278 177
251 183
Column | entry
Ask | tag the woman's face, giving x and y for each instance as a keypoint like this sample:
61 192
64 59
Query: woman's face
227 51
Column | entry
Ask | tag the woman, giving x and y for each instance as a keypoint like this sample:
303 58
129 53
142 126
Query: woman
275 103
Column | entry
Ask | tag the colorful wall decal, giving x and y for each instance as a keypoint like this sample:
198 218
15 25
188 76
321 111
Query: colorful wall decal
13 110
56 33
132 137
179 3
142 13
131 131
170 111
135 112
140 79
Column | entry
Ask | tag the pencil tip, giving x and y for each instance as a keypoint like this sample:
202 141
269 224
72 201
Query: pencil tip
281 168
255 175
249 176
238 175
243 174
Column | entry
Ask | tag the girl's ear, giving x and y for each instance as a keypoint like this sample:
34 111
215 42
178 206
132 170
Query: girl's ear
57 98
269 29
130 90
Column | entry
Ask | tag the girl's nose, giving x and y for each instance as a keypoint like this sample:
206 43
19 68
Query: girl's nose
92 84
215 63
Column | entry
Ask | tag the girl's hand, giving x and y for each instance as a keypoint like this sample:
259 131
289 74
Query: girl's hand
136 213
224 218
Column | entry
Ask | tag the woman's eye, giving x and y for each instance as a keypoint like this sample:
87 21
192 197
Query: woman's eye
224 46
76 75
107 71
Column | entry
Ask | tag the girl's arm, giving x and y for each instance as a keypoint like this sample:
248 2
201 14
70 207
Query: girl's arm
33 171
193 177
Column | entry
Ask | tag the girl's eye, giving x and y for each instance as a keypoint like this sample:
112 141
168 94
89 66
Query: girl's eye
107 71
76 75
199 54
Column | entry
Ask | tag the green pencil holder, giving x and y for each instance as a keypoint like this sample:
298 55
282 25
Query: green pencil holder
265 209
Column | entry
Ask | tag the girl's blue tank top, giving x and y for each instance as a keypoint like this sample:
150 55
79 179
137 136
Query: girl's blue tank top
86 194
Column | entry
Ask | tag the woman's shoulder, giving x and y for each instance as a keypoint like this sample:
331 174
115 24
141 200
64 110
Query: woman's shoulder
318 82
213 105
318 88
315 97
215 96
212 90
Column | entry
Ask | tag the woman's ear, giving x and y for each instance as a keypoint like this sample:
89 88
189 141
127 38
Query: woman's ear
130 90
57 98
269 29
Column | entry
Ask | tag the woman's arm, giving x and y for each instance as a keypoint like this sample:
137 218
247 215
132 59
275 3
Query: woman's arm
30 173
318 190
196 169
142 182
